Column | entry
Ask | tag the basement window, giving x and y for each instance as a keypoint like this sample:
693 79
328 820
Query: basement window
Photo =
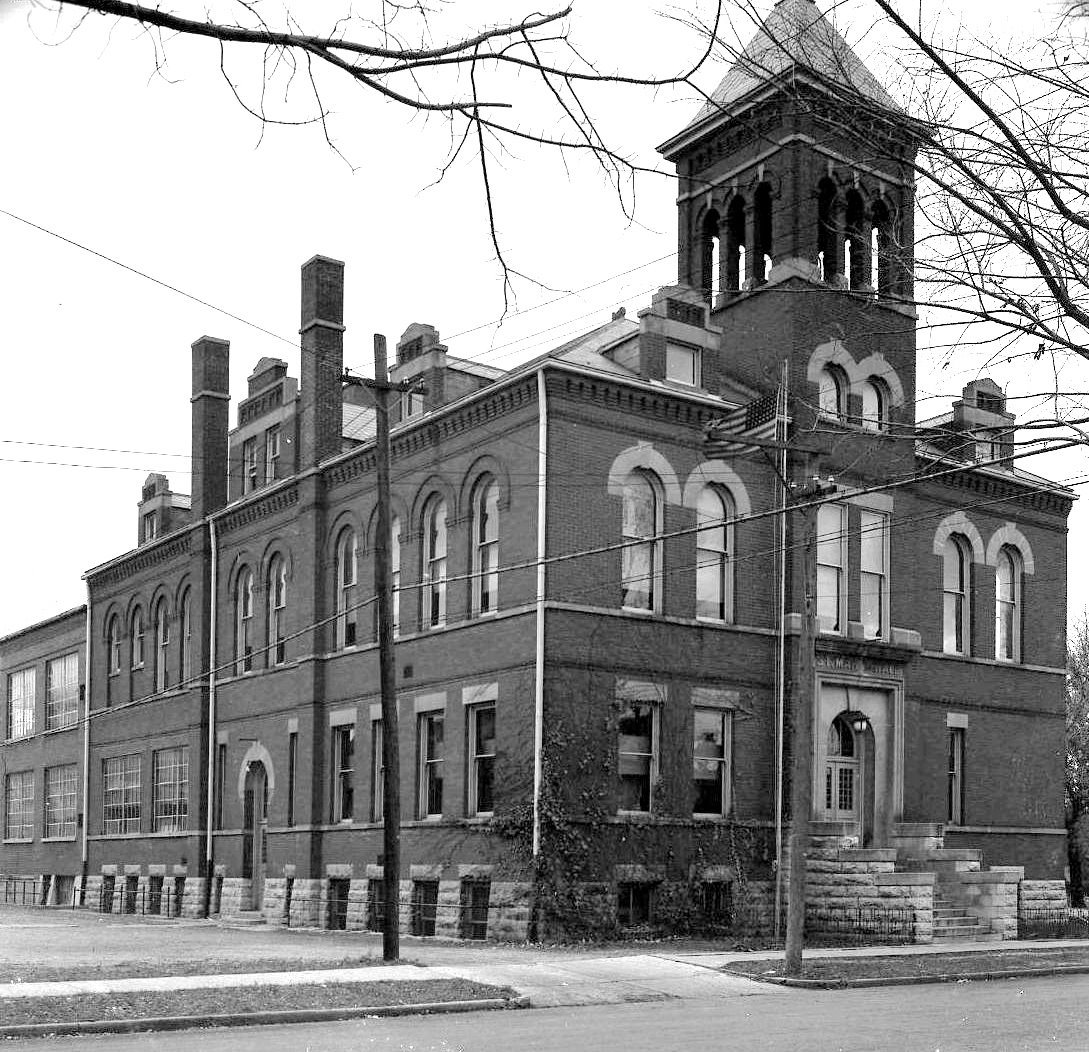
634 904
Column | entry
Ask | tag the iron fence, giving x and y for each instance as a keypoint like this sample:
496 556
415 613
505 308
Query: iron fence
861 924
1057 922
145 900
57 892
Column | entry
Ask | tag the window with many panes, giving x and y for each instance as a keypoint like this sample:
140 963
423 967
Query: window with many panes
21 691
347 614
637 746
641 556
873 584
1007 610
711 749
832 567
485 547
956 590
19 806
714 552
481 759
60 801
430 749
170 790
121 795
62 692
344 772
434 568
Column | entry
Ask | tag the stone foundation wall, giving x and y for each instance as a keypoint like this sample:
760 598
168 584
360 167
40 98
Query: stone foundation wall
1041 894
991 895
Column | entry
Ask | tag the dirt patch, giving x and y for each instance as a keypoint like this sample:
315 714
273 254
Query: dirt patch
916 966
233 1000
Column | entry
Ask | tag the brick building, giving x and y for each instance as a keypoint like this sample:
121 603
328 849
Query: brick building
593 694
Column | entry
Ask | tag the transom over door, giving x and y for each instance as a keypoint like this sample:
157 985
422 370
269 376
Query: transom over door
841 773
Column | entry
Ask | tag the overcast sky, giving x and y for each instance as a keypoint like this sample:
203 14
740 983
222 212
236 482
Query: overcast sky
168 174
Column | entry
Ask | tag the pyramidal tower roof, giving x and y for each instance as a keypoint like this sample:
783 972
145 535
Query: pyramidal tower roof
796 38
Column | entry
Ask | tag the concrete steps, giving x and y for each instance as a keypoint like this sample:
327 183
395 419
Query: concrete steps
247 917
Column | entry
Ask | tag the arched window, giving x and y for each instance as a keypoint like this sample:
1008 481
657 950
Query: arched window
956 611
762 248
113 634
827 233
832 393
137 638
395 570
714 553
854 241
434 569
710 253
641 556
162 641
243 623
1007 610
277 610
881 248
185 664
485 547
734 252
875 405
841 788
347 615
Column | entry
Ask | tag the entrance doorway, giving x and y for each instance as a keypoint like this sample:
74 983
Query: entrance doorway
841 773
255 844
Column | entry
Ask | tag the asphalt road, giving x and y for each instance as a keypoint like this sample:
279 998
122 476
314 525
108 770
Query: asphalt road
1001 1016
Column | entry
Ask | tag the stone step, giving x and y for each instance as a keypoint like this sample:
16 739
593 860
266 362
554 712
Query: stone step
247 917
960 920
968 935
942 914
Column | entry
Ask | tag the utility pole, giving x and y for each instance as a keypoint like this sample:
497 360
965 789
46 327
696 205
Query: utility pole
383 590
801 744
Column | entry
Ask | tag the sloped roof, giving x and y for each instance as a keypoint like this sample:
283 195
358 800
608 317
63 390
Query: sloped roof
795 37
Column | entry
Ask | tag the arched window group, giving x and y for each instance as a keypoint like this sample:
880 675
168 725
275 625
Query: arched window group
736 248
854 243
834 388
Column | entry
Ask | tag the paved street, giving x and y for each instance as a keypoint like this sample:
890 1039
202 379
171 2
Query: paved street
1004 1016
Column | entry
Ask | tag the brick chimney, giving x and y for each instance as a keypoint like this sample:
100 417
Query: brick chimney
322 332
211 402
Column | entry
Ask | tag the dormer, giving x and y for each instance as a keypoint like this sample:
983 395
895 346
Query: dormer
262 446
979 427
160 511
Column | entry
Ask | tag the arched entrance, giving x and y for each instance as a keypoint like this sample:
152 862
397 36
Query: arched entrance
255 844
849 774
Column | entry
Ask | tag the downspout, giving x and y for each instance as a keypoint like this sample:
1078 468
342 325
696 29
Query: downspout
538 676
780 671
209 854
86 743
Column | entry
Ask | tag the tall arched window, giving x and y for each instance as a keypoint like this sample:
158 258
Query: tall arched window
185 663
434 568
347 615
762 250
137 638
832 392
714 555
956 612
875 405
395 570
641 557
243 623
734 252
881 248
854 241
113 635
1007 610
485 547
277 611
710 254
827 233
162 642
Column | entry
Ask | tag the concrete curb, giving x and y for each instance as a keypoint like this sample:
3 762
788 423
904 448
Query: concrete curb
295 1015
913 980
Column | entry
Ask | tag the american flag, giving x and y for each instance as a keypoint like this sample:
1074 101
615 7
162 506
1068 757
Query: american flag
726 435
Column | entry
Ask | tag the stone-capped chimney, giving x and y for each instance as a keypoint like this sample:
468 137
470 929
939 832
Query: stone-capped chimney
211 403
322 333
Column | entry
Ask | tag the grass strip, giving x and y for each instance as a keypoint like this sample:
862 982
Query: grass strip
921 965
233 1000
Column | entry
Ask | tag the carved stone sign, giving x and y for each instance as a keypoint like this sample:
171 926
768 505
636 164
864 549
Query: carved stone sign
858 666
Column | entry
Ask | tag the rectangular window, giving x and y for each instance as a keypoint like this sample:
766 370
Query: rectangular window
475 901
375 904
481 759
343 773
430 745
61 692
634 904
272 453
151 526
831 567
221 777
121 795
170 790
378 772
638 760
60 801
425 906
683 364
712 729
21 691
412 404
249 465
19 806
873 584
292 760
956 776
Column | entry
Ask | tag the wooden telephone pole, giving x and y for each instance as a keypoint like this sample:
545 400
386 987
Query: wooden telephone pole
383 590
